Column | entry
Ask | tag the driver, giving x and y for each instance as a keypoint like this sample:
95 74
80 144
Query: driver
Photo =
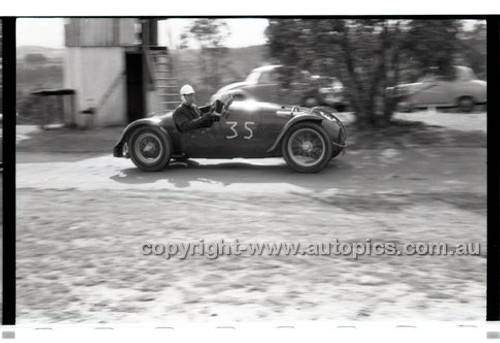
188 117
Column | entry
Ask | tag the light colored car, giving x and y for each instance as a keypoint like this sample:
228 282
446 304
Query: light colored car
263 84
463 91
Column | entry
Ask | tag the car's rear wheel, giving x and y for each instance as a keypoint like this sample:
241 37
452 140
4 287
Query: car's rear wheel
404 107
149 148
466 104
310 101
340 107
306 148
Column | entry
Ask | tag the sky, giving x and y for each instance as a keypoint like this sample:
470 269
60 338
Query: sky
244 32
29 32
49 32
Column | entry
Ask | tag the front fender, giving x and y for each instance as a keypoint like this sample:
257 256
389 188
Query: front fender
153 121
290 123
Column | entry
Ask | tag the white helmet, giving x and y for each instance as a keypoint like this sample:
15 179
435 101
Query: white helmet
187 89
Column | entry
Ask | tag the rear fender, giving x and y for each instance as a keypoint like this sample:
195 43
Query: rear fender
118 149
290 123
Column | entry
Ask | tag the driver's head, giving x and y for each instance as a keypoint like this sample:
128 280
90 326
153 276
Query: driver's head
187 94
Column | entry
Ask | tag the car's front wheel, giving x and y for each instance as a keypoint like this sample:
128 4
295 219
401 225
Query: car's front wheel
149 148
306 148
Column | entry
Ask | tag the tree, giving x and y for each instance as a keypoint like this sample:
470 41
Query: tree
210 35
367 55
433 43
473 49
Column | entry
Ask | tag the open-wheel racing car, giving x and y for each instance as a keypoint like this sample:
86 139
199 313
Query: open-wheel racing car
307 138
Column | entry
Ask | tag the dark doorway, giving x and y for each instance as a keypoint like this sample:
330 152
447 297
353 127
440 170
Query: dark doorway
136 92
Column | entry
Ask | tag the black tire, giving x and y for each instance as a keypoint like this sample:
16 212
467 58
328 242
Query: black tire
149 148
340 107
466 104
310 101
404 107
306 148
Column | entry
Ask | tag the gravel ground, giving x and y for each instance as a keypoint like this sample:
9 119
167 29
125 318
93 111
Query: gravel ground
76 266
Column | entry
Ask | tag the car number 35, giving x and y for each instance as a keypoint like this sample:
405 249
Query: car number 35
248 132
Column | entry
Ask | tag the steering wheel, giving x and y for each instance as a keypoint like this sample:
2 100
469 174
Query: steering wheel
221 105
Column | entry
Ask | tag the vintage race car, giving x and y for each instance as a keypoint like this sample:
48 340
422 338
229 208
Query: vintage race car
307 138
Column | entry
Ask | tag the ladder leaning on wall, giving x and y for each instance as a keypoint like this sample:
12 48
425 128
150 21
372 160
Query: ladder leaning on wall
166 84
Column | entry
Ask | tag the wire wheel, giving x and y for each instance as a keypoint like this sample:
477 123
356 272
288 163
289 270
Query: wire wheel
149 149
307 148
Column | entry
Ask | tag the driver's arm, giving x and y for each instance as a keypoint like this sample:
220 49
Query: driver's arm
184 123
206 109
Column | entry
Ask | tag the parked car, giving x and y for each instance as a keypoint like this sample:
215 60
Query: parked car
263 84
307 138
463 90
